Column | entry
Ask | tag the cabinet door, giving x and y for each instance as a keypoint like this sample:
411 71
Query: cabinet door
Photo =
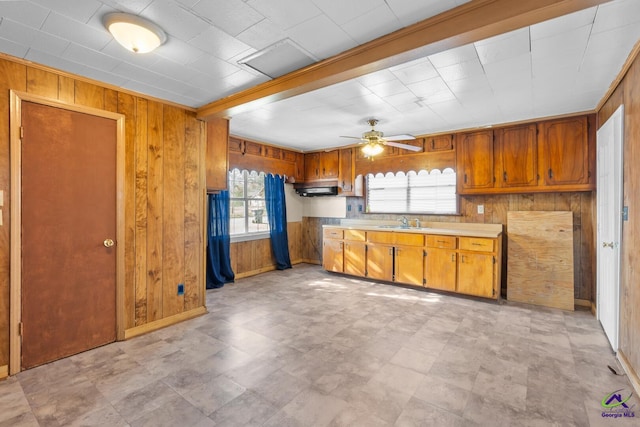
330 164
563 151
475 161
409 265
476 274
346 171
440 267
332 255
439 143
355 258
516 156
311 166
217 155
380 262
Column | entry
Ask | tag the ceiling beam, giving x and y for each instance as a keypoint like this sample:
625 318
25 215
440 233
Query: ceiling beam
468 23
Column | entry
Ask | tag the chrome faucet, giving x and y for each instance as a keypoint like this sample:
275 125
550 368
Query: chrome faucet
417 222
404 221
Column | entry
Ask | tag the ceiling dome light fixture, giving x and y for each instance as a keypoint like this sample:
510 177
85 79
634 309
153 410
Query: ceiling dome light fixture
133 32
372 149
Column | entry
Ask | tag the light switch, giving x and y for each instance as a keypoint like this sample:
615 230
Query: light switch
1 197
481 209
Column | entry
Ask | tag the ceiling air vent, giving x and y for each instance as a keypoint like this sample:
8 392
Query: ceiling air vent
278 59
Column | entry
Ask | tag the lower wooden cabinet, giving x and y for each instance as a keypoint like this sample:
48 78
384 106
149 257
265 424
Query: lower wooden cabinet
476 274
408 266
380 262
333 255
355 262
440 269
466 265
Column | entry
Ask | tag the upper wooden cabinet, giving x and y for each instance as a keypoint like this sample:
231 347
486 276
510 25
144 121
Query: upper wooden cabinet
217 155
555 155
439 143
563 152
515 155
321 165
346 180
252 155
475 160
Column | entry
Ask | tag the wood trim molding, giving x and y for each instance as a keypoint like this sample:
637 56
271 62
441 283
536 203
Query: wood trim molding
4 371
623 72
164 322
468 23
631 373
92 81
15 283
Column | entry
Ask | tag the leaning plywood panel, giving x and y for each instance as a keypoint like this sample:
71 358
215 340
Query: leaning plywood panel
540 260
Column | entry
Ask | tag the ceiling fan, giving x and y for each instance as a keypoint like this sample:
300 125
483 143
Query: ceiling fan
374 141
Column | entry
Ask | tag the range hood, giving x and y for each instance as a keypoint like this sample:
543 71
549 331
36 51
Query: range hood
317 191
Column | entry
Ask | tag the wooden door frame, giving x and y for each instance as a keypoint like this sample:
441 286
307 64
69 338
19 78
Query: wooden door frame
15 306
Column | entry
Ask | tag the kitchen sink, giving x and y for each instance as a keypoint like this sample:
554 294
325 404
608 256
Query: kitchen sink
402 227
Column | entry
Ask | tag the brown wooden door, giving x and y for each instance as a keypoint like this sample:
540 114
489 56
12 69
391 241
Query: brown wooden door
68 210
516 156
564 151
475 161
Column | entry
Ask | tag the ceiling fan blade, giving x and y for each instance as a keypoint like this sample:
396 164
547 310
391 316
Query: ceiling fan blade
404 137
352 137
404 146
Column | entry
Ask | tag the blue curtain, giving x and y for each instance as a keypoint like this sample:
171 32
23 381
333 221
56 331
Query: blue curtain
277 215
219 269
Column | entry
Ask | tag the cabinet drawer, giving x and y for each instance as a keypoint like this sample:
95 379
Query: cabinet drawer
409 239
380 237
446 242
358 235
332 233
476 244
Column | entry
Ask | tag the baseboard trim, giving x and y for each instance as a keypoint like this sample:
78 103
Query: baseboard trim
250 273
4 371
162 323
582 303
631 373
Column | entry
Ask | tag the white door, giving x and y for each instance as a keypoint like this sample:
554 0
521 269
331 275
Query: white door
609 210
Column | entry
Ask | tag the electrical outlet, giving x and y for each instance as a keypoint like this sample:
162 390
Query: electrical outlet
359 208
180 288
481 209
348 208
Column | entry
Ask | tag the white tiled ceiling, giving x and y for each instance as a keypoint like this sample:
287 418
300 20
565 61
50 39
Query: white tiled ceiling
560 66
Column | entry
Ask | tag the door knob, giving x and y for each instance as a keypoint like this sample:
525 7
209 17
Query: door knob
607 245
108 243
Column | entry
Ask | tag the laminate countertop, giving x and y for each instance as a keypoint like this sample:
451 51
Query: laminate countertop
490 231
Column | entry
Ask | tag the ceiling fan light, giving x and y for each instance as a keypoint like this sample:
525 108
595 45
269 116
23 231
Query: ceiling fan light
372 149
133 32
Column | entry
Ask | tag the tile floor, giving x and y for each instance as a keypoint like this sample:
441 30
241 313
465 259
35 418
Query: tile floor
304 347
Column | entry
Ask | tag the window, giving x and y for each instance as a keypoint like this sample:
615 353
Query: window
246 197
422 192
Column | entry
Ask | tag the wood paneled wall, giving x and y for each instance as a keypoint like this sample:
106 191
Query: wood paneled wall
628 93
164 194
582 205
255 256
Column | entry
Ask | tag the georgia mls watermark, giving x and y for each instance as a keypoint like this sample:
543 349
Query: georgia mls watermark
614 405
